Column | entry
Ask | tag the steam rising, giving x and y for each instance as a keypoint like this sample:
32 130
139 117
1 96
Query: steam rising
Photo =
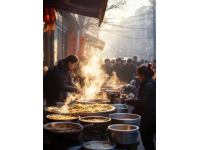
95 78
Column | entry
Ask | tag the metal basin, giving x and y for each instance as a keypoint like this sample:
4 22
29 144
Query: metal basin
103 142
123 134
125 118
112 94
120 108
62 136
96 125
117 101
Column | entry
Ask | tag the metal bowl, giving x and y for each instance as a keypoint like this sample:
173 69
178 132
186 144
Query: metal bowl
123 134
120 108
117 101
96 125
103 142
125 118
62 136
112 94
68 120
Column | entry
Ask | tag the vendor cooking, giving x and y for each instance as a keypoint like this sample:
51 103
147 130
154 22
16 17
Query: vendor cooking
58 82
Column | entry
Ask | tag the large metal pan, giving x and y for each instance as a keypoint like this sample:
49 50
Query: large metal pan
125 118
120 108
102 113
117 101
63 136
112 94
94 101
96 125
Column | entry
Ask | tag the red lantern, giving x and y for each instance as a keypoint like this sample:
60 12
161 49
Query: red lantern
49 15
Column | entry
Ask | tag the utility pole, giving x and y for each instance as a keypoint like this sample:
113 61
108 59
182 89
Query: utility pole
154 28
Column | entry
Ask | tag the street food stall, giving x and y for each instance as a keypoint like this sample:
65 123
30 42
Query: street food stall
98 120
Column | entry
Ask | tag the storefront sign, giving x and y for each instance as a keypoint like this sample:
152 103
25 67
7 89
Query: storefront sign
72 45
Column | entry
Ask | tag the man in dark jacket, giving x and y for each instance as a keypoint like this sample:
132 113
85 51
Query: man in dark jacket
128 71
135 62
106 67
60 81
117 67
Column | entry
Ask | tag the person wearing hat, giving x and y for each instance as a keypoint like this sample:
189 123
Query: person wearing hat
128 71
58 82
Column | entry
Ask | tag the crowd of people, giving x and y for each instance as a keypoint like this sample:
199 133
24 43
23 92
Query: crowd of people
57 82
125 71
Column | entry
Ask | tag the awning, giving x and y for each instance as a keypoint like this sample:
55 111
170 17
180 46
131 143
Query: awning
92 41
90 8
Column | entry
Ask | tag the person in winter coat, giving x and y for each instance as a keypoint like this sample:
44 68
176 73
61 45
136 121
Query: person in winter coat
117 67
135 62
128 71
106 67
60 81
145 105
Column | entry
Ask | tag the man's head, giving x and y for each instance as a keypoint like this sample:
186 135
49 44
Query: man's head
129 61
107 62
135 59
71 61
118 60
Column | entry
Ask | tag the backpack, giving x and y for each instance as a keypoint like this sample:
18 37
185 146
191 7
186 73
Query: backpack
48 81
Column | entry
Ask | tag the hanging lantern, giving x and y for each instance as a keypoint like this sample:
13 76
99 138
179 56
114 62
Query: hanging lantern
49 17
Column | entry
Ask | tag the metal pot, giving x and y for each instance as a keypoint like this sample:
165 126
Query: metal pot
103 142
96 125
112 94
125 118
96 114
117 101
62 136
120 108
69 120
123 134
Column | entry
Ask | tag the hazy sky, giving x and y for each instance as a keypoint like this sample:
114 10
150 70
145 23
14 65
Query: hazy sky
127 11
130 8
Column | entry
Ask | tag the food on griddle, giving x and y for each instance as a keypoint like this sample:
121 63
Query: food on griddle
61 117
94 120
80 108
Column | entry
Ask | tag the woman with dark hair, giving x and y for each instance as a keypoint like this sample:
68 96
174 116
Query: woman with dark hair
145 105
58 81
